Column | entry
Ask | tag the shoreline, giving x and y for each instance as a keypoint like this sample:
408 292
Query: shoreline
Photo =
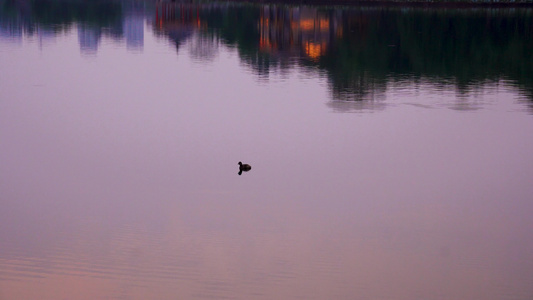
384 3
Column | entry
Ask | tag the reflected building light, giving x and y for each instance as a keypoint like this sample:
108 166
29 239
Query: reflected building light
265 43
307 24
339 32
323 24
178 21
295 32
314 50
89 38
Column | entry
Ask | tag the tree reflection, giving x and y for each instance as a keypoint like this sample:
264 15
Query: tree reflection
363 51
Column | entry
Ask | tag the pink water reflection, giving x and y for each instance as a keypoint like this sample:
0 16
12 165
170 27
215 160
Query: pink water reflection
119 180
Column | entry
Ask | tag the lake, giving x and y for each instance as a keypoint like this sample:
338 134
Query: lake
391 151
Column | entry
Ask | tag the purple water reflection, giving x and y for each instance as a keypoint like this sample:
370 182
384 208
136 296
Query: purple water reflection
118 179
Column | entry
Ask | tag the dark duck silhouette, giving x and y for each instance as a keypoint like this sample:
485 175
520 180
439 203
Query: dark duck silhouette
244 168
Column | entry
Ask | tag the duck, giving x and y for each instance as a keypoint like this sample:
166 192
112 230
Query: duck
244 168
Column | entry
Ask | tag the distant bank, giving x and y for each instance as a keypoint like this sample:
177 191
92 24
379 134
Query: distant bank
410 3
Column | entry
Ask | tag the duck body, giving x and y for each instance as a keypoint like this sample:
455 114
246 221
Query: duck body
244 168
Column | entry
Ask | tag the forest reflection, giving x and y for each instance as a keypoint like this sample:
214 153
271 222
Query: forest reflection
362 51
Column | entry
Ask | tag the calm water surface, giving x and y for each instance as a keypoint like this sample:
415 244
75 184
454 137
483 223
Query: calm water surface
390 152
